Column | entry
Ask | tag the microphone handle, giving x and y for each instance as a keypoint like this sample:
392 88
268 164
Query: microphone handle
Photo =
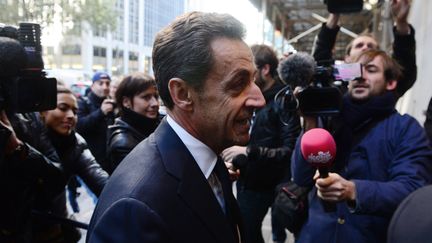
328 206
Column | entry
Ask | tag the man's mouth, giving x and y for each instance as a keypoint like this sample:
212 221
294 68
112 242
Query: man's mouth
360 86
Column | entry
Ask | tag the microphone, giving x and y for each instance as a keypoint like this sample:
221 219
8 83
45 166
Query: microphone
297 69
239 161
319 150
12 57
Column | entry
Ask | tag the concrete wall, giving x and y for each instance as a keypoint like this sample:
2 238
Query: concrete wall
415 101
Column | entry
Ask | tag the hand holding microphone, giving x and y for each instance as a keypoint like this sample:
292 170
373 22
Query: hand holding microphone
319 149
235 158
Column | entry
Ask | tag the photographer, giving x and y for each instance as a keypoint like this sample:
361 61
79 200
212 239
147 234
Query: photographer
29 165
26 176
95 114
403 45
382 156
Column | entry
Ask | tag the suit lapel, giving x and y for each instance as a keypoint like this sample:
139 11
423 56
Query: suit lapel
193 188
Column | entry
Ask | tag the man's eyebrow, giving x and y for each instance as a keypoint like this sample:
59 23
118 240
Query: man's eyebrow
238 74
370 65
243 72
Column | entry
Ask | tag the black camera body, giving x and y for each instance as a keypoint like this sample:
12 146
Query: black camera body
24 86
344 6
324 96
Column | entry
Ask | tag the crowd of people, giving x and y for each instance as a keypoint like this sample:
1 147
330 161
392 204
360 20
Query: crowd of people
169 177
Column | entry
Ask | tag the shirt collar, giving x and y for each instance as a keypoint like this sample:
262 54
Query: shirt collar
203 155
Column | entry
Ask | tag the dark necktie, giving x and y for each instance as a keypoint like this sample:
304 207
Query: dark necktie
216 186
231 207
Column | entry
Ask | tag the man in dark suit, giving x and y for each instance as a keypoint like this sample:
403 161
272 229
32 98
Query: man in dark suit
173 187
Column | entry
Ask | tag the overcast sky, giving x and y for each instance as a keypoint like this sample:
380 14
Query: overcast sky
243 10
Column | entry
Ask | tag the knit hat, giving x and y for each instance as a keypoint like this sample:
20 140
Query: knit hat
412 221
100 75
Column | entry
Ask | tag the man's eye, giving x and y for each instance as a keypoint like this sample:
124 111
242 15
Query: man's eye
238 86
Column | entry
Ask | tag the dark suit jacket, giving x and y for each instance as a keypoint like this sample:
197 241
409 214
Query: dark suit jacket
159 194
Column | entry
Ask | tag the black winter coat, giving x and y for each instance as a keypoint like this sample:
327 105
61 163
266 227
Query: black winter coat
270 146
25 178
93 124
127 131
76 159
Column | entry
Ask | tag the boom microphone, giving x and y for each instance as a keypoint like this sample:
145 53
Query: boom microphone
297 69
319 150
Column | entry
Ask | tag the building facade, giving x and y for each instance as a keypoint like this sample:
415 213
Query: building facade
124 50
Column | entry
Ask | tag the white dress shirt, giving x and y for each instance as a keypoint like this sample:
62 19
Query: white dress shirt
205 158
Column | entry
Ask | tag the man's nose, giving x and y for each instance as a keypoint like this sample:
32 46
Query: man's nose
363 76
365 48
70 114
256 98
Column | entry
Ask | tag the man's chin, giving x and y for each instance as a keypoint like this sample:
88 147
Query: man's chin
359 98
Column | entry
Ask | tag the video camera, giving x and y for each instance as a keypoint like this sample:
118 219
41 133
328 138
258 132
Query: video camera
24 86
324 96
323 85
344 6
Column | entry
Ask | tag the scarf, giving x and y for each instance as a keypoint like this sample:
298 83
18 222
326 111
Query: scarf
355 121
142 124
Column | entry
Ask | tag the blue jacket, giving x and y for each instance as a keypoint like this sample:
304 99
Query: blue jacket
392 160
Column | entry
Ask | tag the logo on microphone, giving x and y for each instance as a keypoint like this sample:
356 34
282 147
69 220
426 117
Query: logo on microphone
321 157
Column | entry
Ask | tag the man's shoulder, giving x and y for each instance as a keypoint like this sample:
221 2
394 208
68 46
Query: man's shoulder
141 167
404 120
84 100
398 126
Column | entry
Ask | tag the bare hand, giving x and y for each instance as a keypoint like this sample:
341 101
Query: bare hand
233 173
13 141
231 152
335 188
228 155
107 106
400 10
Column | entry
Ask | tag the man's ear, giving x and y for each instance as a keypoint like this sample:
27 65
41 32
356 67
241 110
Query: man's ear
391 85
265 70
181 93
